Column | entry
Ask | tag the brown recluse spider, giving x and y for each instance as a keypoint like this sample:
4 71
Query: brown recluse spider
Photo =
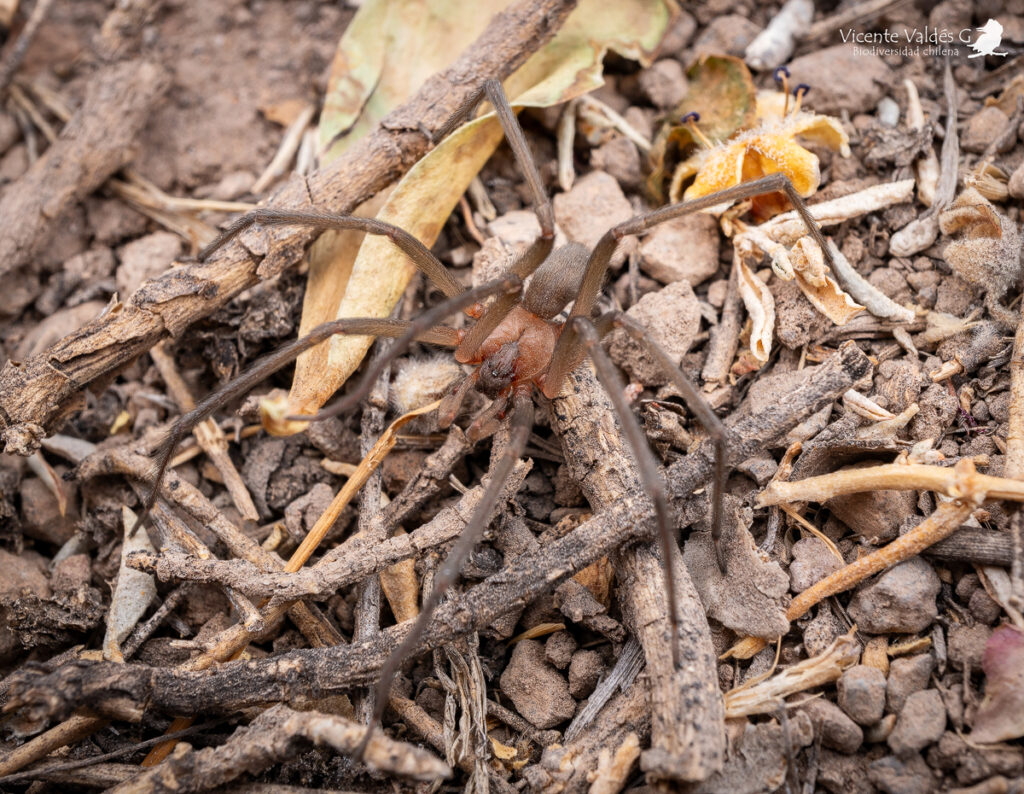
517 344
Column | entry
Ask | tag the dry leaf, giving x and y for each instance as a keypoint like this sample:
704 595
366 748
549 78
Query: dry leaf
818 286
132 594
987 251
761 308
570 65
1001 714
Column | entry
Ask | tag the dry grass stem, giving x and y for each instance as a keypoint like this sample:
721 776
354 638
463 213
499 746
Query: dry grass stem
764 697
959 482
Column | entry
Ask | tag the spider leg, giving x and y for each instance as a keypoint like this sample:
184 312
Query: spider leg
503 287
420 255
707 417
563 361
540 248
422 328
522 424
654 485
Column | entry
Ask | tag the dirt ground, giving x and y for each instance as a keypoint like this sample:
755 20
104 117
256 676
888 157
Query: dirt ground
540 682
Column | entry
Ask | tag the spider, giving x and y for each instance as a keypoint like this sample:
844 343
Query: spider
517 345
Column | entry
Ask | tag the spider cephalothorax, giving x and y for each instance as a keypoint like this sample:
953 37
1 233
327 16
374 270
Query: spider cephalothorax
518 352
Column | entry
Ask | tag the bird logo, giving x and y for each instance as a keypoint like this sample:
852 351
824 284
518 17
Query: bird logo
991 36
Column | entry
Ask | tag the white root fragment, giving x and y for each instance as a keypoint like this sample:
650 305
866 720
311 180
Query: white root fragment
854 401
133 592
293 136
926 167
775 44
788 227
888 428
566 136
763 698
601 114
865 293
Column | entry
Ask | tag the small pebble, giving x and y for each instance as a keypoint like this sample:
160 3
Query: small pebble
539 693
921 721
672 317
812 561
144 259
888 112
901 600
910 775
664 83
906 676
966 645
840 79
838 731
682 249
585 671
983 128
861 694
559 648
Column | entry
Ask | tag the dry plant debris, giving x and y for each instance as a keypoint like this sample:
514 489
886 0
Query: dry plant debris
868 633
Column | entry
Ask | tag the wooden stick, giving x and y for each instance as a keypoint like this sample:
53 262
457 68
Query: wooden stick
38 392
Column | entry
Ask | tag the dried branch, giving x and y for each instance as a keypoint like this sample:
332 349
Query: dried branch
958 482
355 559
36 393
277 735
97 141
126 690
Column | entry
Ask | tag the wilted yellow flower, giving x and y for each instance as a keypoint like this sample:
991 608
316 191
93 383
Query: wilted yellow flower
768 149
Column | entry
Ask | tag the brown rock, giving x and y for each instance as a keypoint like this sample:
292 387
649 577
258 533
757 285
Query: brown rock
682 249
966 645
559 648
901 600
861 694
664 83
585 671
922 720
838 731
672 317
984 127
620 158
536 689
595 204
907 676
902 776
726 35
144 259
812 561
840 80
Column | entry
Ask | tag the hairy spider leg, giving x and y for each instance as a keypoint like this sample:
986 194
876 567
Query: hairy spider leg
420 255
423 328
519 434
568 353
650 473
